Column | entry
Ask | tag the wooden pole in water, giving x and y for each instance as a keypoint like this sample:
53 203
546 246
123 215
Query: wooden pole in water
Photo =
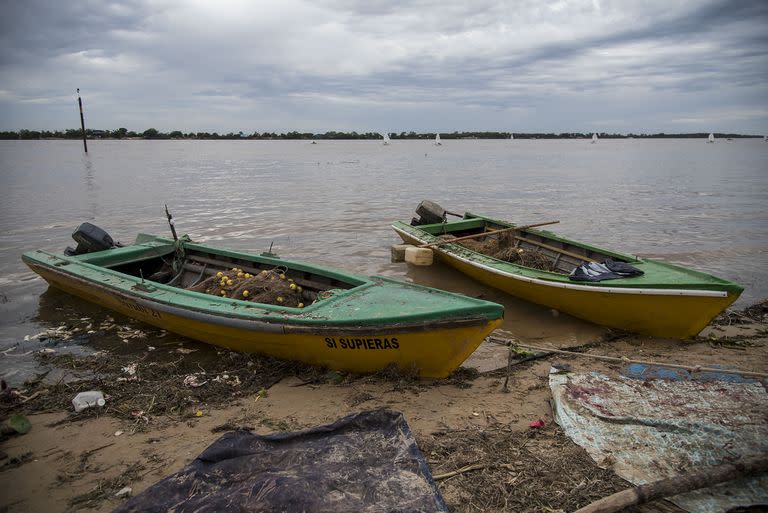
82 120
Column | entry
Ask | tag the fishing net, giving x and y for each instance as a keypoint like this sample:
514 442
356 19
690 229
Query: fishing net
526 257
268 286
490 246
502 247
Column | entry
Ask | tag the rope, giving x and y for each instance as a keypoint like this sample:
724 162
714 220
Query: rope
180 253
199 278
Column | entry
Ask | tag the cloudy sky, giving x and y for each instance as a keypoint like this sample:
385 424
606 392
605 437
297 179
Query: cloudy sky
376 65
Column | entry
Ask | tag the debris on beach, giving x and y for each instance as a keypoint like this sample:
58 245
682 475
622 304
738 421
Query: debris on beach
497 468
12 397
15 425
88 399
171 385
124 492
131 369
127 333
62 332
192 380
80 330
488 463
233 381
757 313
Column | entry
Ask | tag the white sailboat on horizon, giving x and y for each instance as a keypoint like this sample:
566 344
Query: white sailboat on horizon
711 138
594 138
511 137
437 140
386 139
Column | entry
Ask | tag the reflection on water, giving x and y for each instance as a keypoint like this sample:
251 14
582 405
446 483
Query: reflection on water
90 186
331 203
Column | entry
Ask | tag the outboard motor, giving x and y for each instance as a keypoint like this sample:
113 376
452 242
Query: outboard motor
430 213
90 238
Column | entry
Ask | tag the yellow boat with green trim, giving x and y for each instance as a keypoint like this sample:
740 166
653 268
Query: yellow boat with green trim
349 322
666 301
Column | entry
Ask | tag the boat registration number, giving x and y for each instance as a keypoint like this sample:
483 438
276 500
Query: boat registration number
140 309
361 343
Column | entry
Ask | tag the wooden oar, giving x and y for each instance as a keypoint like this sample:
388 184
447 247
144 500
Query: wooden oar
556 250
483 234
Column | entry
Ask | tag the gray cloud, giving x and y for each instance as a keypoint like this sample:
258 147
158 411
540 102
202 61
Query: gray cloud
375 65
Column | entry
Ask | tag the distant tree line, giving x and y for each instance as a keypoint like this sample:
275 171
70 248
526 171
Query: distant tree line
153 133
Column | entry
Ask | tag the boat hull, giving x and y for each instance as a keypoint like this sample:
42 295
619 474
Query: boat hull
678 314
433 349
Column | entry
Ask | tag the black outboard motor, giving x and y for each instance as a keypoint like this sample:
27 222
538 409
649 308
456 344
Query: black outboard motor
430 212
90 238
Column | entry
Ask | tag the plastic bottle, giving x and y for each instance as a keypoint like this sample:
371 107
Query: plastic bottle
88 399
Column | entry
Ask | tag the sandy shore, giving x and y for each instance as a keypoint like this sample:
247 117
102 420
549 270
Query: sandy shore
78 462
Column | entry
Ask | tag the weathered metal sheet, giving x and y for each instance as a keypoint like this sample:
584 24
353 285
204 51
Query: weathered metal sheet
650 429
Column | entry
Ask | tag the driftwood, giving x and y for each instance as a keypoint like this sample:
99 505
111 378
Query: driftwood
679 484
469 468
86 454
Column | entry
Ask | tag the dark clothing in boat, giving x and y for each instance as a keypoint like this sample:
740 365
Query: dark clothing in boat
608 270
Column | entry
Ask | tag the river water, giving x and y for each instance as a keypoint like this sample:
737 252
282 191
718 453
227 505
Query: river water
685 201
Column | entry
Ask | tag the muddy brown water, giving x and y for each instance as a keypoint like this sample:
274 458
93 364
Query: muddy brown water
684 201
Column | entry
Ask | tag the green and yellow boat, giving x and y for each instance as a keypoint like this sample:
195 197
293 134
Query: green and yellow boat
665 301
340 320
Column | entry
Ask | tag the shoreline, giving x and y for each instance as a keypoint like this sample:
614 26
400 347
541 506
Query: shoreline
419 137
80 461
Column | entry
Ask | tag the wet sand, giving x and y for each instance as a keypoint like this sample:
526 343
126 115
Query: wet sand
76 462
